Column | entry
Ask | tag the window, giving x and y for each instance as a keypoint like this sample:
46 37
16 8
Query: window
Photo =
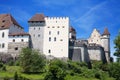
48 27
54 38
53 27
49 32
16 48
0 45
58 27
63 27
13 40
3 34
3 45
39 28
22 40
3 21
38 35
49 38
58 32
49 51
61 39
34 35
34 28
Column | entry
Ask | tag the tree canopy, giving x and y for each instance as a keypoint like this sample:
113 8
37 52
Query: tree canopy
31 60
117 45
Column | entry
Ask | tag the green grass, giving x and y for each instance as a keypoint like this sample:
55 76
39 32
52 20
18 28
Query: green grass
10 70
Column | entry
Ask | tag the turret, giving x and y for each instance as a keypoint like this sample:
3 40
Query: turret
72 34
105 42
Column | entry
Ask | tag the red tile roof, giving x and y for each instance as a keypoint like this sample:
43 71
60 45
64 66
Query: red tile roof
106 32
6 20
18 34
37 17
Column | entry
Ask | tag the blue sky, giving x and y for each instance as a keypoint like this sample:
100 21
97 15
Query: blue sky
85 15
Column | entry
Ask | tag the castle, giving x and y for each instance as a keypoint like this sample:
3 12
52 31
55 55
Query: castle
54 37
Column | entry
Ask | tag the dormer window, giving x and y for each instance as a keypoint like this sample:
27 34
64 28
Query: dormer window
3 21
2 26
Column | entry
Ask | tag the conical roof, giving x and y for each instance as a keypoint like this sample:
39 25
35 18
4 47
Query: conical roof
106 32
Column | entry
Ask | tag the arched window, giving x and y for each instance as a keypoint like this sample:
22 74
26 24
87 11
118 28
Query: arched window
3 45
3 34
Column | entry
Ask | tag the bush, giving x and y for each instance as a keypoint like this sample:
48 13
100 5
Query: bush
114 70
55 73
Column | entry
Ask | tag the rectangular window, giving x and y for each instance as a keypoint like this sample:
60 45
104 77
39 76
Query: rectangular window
49 32
58 32
16 48
49 38
54 38
3 45
13 40
49 51
38 35
22 40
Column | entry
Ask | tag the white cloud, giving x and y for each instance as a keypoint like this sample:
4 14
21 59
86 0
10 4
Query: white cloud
88 19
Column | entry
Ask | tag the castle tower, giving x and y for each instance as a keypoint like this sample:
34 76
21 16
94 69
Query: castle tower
36 30
105 42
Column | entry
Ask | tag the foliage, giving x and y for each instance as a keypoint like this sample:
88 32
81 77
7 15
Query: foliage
31 61
114 70
56 70
117 45
15 76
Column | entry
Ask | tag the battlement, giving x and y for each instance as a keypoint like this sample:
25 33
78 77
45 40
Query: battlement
56 18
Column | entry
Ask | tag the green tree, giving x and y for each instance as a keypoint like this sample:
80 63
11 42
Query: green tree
117 47
114 70
56 71
31 61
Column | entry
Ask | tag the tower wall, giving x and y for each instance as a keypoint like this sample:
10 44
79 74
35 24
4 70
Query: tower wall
36 30
105 42
56 36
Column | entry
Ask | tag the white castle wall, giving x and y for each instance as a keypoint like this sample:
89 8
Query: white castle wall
56 27
4 40
24 38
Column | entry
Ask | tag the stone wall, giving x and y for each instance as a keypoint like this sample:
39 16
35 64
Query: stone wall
14 48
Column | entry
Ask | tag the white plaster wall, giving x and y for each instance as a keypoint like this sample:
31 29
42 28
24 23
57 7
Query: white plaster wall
19 38
15 29
59 48
95 37
4 40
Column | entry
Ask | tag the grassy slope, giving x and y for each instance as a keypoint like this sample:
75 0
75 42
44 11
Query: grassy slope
12 69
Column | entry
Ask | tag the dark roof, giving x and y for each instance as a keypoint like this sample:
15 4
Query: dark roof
18 34
37 17
71 29
106 32
6 20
